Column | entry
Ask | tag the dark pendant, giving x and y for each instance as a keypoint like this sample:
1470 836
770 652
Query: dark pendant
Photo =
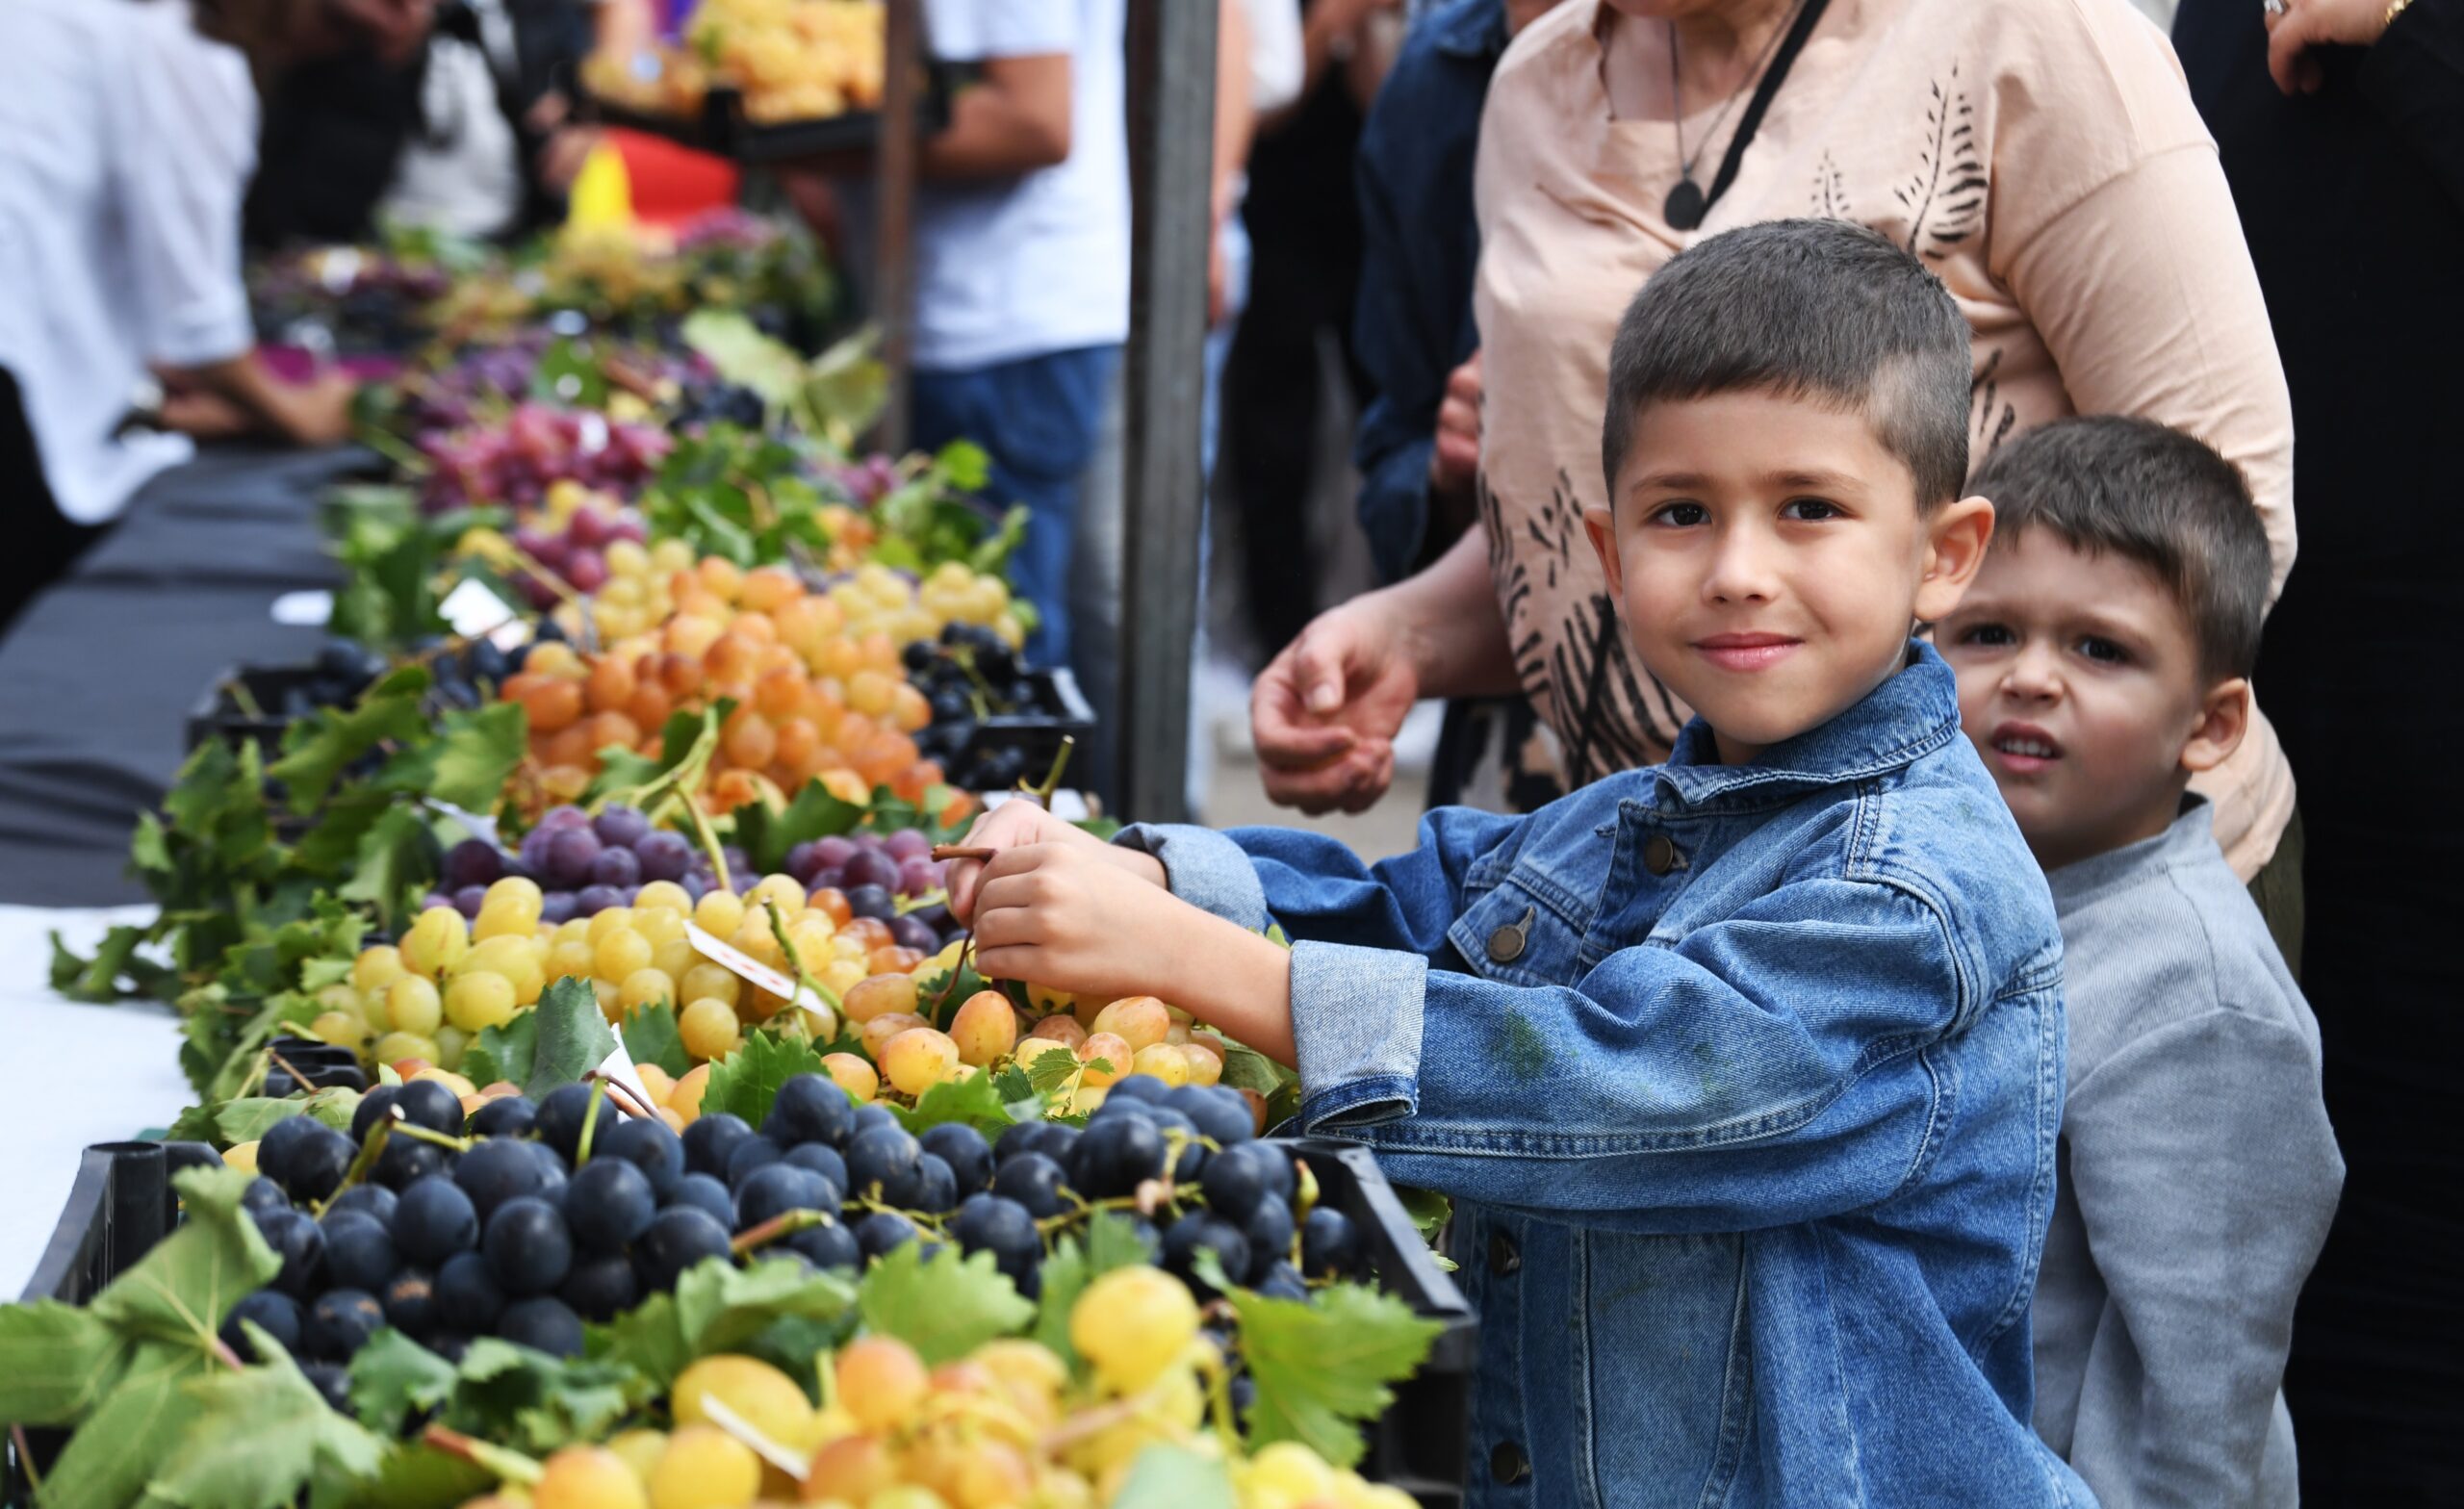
1684 208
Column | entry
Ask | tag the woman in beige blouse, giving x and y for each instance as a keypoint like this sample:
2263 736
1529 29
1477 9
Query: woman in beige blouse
2042 156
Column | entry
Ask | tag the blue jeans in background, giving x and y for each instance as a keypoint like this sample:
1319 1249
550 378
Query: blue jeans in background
1037 418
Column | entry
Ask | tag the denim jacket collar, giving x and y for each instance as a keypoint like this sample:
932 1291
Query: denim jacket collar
1911 715
1468 28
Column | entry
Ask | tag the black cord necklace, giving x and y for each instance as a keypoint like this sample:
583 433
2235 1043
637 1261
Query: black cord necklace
1686 203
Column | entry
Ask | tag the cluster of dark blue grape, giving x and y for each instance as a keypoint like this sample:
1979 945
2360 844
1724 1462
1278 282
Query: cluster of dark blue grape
969 674
879 1185
512 1237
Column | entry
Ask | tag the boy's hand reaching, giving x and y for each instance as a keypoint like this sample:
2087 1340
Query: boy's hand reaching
1014 825
1080 917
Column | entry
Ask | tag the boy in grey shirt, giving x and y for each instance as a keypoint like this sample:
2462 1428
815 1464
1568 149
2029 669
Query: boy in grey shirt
2102 658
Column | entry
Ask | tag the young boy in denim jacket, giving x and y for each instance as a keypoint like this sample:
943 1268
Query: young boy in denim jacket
1744 1070
2103 657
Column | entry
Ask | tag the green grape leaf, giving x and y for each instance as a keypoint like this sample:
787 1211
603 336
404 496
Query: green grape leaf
574 1036
1325 1366
1051 1072
503 1052
318 748
651 1037
745 1082
766 836
743 355
1427 1207
237 1121
964 465
1176 1477
182 1289
397 858
56 1363
945 1307
256 1439
976 1101
1246 1068
646 1338
1015 1087
107 1462
720 1307
478 750
1108 1241
99 978
391 1376
944 990
534 1403
411 1476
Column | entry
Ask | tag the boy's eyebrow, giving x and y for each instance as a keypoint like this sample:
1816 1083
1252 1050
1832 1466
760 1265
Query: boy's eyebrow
1792 476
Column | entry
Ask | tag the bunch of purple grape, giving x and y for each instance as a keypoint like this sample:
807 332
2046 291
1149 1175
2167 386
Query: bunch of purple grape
874 872
583 864
577 553
869 481
512 462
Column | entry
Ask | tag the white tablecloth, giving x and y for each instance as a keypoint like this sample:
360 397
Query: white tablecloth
75 1075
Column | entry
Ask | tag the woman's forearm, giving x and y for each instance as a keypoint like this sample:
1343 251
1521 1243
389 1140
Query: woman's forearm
1451 626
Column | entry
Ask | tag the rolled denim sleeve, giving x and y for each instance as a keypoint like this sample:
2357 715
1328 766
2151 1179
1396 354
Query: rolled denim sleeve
1766 1069
1368 933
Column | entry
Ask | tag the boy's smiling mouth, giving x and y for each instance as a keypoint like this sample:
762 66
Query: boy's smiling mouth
1747 650
2024 748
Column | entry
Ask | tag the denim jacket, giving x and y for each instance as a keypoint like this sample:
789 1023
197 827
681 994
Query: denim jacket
1745 1081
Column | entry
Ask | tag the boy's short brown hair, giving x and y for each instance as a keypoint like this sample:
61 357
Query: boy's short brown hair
1819 309
2147 493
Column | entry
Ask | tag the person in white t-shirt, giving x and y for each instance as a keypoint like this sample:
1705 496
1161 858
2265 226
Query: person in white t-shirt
1022 247
127 135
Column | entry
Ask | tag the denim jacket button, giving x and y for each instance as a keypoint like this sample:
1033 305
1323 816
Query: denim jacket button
1507 1464
1504 1259
1506 943
1660 855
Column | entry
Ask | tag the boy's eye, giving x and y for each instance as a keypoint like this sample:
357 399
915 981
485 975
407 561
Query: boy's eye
2099 648
1810 509
1987 634
1682 514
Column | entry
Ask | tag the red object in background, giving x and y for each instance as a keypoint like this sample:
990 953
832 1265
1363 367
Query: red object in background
671 183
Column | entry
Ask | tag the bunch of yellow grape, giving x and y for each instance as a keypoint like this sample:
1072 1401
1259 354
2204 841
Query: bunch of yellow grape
1004 1426
425 998
795 60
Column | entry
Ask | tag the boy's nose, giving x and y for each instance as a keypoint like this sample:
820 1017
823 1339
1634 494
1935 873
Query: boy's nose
2032 675
1740 569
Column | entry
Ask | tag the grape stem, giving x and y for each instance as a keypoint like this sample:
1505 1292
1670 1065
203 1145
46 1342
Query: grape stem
1087 1208
26 1460
508 1466
624 1096
443 1139
794 955
1052 777
754 1238
590 1120
288 1067
368 1151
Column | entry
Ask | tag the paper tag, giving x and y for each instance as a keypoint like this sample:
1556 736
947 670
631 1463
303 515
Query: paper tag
1070 807
304 609
471 609
618 1066
744 966
473 823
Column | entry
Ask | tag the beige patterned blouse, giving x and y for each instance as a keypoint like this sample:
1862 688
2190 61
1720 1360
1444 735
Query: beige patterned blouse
2042 156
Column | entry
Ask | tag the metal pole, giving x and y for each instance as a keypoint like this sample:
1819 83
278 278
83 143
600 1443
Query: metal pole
894 213
1171 129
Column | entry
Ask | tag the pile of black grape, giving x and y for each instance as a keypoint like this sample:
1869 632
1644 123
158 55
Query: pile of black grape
970 674
345 669
513 1238
508 1238
883 1186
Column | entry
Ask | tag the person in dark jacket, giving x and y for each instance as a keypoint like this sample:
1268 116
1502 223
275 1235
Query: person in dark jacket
2341 123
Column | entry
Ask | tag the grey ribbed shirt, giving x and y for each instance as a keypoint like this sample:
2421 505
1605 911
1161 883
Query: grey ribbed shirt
2197 1177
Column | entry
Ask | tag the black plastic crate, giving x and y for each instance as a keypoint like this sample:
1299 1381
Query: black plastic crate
221 714
723 128
1060 712
1418 1444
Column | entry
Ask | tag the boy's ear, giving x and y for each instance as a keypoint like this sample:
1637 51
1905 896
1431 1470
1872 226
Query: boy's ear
2224 717
1956 538
1601 526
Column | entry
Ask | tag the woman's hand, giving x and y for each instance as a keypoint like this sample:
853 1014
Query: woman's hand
1455 460
1323 715
2304 24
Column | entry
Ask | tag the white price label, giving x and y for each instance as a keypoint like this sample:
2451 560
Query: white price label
618 1066
471 610
1070 807
744 966
304 609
